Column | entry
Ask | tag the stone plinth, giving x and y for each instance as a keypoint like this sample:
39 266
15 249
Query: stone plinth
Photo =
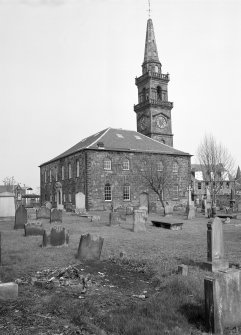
223 301
20 217
90 247
8 291
58 236
56 215
139 222
33 228
43 213
215 247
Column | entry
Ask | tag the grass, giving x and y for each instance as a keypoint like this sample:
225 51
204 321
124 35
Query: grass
175 303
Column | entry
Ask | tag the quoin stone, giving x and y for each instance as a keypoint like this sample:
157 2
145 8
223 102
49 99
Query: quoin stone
90 247
20 217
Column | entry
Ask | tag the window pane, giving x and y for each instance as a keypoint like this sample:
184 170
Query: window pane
126 192
107 192
62 172
107 164
77 169
70 171
159 166
126 165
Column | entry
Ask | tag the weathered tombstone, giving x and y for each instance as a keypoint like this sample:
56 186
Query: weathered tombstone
139 222
43 213
56 215
58 236
116 218
223 301
183 269
90 247
20 217
168 210
48 205
8 291
31 214
215 247
33 228
80 201
190 205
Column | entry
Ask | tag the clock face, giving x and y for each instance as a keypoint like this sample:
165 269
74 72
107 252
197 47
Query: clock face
161 122
143 123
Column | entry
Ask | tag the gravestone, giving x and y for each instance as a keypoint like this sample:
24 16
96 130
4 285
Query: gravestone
56 215
183 269
168 210
215 247
8 291
20 217
190 205
31 214
139 222
90 247
58 236
33 228
43 213
80 201
223 301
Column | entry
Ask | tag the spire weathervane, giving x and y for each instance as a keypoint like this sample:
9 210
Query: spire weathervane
149 8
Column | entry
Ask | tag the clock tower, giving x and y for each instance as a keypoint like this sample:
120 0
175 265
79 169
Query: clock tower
153 111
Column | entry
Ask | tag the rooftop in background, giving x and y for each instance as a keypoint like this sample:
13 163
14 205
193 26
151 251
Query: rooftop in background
120 140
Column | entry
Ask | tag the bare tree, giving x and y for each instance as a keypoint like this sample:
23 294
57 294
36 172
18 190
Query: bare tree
216 164
9 182
156 175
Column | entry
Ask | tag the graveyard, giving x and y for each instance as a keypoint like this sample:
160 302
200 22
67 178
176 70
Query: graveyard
146 281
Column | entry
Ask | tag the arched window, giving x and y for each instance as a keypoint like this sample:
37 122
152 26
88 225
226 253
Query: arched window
56 173
107 164
175 167
108 193
159 93
77 169
45 176
159 166
62 172
70 170
126 164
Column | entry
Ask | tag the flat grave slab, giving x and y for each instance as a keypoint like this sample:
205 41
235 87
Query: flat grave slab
168 223
225 216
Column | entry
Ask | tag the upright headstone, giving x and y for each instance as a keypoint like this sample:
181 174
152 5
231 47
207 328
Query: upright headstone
56 215
43 213
139 222
58 236
20 217
215 247
33 228
90 247
168 210
31 214
190 205
223 301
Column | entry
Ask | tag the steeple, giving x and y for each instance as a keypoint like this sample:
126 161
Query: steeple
238 174
153 110
150 54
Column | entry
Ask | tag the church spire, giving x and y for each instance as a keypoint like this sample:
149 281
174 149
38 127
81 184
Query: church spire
150 54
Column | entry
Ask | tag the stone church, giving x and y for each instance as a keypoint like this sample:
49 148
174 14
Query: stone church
105 170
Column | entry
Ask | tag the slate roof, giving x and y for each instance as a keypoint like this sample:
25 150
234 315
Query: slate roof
120 140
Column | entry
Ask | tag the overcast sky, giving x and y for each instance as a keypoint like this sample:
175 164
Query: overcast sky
68 68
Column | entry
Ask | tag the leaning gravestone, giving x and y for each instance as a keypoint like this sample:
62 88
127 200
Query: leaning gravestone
90 247
43 213
56 215
20 217
58 236
33 228
215 247
139 222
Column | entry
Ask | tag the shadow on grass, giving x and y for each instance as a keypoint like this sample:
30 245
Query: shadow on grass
194 313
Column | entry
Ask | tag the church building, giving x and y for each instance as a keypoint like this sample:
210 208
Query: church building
106 170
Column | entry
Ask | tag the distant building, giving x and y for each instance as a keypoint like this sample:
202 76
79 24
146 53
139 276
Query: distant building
102 171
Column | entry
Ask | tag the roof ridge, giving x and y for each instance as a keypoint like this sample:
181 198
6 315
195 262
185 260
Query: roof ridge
95 141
